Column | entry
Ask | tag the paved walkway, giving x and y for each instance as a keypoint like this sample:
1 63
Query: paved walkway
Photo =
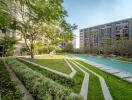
123 75
71 75
19 85
105 90
85 84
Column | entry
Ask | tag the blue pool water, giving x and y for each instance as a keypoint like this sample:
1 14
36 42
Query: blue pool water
123 66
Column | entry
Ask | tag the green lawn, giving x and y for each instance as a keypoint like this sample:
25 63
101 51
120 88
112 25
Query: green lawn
78 79
94 89
55 62
120 90
123 59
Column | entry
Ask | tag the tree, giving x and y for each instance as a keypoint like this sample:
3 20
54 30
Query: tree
68 47
7 23
8 44
34 17
121 47
5 17
41 14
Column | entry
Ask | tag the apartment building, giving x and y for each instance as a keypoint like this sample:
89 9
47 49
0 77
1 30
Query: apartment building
97 36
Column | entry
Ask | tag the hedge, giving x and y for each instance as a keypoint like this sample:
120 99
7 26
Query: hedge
55 77
38 85
7 87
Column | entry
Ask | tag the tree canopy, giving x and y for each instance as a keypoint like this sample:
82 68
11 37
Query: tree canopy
36 19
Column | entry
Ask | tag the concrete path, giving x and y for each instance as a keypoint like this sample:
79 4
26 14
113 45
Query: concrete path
120 74
71 75
129 79
85 84
19 85
105 90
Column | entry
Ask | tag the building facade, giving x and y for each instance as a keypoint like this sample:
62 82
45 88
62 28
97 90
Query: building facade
97 36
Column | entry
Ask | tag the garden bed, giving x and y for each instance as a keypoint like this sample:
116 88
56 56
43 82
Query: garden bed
55 77
75 83
7 87
40 87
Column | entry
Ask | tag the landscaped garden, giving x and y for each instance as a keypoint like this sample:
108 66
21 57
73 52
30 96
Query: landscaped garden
120 89
37 60
45 84
8 91
58 60
39 86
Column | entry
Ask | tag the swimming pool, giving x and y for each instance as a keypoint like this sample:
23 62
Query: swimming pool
122 66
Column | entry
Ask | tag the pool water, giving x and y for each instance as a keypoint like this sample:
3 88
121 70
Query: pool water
123 66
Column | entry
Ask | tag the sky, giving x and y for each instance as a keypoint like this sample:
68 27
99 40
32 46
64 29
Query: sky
88 13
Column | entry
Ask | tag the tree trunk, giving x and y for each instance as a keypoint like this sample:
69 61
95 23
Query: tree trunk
32 51
32 55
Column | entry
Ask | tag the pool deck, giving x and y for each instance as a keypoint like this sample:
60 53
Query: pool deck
120 74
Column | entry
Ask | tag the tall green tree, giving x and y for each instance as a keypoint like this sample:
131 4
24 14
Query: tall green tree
40 15
7 23
34 17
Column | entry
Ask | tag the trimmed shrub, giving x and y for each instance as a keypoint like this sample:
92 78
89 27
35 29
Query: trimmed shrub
57 78
7 87
41 87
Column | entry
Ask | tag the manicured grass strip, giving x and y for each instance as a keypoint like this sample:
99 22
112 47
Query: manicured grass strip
7 87
95 91
124 59
55 62
41 87
57 78
78 79
120 89
85 83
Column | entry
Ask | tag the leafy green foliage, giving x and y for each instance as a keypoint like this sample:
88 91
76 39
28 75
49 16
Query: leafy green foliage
68 47
9 44
5 17
46 18
41 87
57 78
7 87
38 18
124 59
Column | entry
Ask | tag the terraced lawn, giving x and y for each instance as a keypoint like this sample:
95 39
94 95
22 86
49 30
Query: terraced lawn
94 91
75 83
57 78
78 79
55 62
120 89
41 87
